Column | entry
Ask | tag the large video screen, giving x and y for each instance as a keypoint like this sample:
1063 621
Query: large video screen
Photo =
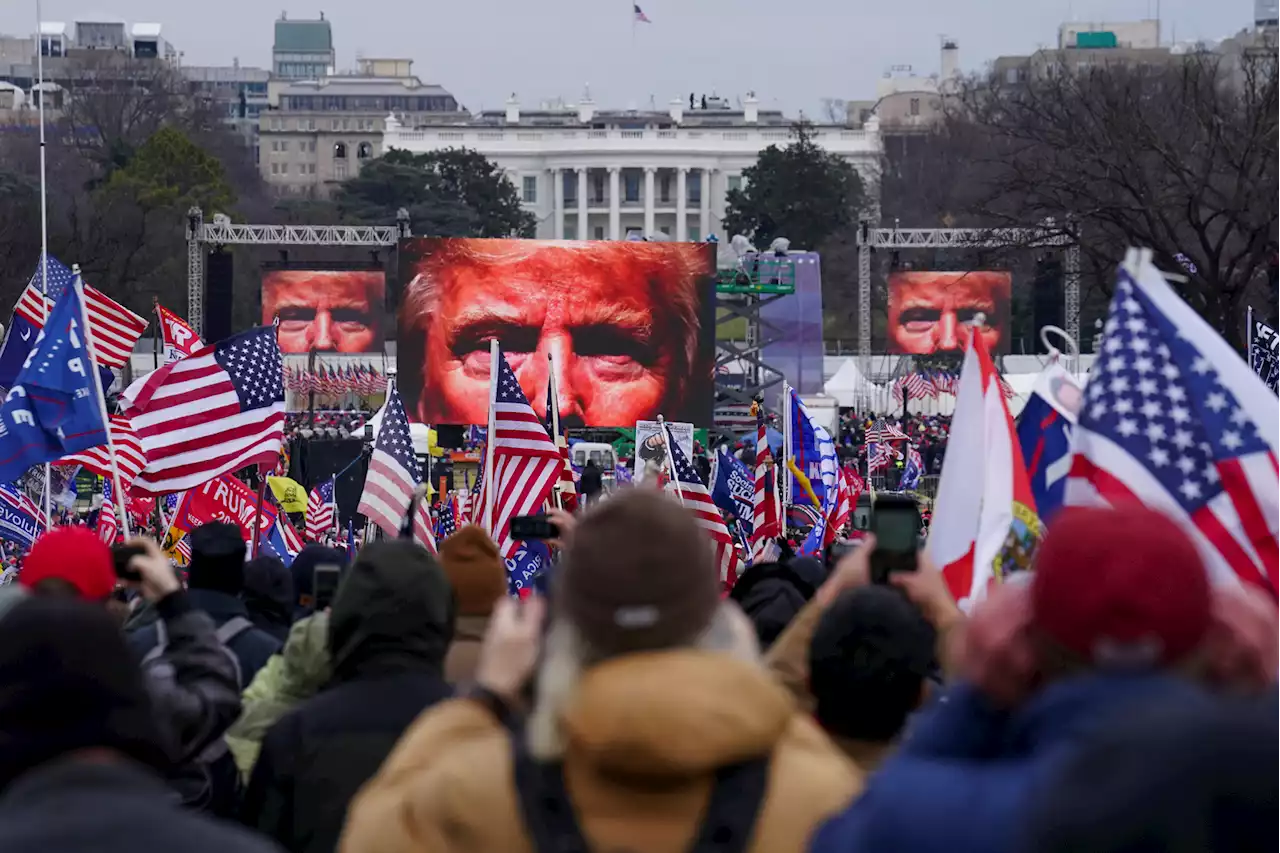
325 310
629 326
927 308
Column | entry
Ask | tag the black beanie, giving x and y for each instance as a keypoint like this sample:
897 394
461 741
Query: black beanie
217 558
69 682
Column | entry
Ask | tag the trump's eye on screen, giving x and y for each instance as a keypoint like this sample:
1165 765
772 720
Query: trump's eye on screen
324 310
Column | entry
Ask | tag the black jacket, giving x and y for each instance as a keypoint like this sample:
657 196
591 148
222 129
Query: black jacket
391 623
252 648
771 594
74 806
591 482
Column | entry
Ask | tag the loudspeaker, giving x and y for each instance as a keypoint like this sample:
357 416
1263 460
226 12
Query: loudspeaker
1046 298
218 297
449 437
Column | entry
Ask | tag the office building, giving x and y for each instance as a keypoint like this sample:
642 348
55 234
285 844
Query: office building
302 49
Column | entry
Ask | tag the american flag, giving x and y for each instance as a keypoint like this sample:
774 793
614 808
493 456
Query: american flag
1174 418
448 523
107 522
881 431
469 505
638 14
130 456
289 533
213 412
926 380
393 474
914 383
19 500
767 527
879 455
115 329
689 486
848 488
320 510
567 485
526 463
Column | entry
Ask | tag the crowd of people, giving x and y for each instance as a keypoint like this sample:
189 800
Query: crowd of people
1113 699
928 433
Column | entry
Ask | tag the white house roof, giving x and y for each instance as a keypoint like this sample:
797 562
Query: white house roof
53 28
145 31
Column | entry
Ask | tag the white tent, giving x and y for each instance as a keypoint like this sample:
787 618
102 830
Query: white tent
848 385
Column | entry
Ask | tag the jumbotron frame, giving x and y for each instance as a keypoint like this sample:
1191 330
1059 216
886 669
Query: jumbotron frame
223 232
1044 237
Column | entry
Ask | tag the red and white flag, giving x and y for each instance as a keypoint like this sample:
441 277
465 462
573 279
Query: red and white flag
108 524
178 338
215 411
320 510
130 456
526 463
393 475
115 329
984 521
690 489
766 525
848 488
1175 418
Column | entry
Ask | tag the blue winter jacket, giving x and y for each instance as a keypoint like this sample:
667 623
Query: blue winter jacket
965 775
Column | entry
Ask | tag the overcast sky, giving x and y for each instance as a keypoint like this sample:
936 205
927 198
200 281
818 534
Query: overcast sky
793 53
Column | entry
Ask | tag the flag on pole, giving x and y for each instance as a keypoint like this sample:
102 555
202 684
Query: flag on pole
1173 417
115 329
767 526
320 510
447 524
912 471
1044 434
1264 352
985 524
638 15
848 488
215 411
693 492
178 338
393 474
130 457
822 467
526 464
107 523
20 519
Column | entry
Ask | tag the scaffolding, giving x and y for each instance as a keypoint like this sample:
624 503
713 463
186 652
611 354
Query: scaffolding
742 292
1043 237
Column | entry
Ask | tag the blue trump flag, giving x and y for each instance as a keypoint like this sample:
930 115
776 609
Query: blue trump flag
527 569
733 488
17 523
1044 434
53 409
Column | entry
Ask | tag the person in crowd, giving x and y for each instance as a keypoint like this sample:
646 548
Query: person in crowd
269 595
772 594
653 722
1046 660
290 678
475 569
215 583
591 484
82 762
192 681
1195 778
303 570
389 628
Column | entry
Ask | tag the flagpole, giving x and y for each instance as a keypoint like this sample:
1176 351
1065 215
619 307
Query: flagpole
155 339
553 405
786 442
489 490
671 462
1248 336
78 284
44 241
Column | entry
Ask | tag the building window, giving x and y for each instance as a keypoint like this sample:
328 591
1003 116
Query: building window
364 151
336 124
914 107
570 230
340 151
340 170
311 168
284 145
597 188
631 188
695 189
735 182
664 187
275 168
529 189
570 187
284 168
599 232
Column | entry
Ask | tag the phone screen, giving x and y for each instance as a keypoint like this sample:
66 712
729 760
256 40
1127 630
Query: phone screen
325 584
533 527
897 529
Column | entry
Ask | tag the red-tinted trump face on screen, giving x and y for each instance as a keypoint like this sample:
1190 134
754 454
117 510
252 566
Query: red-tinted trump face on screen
325 310
927 309
624 326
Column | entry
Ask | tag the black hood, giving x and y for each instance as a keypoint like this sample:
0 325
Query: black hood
268 590
393 612
771 594
303 570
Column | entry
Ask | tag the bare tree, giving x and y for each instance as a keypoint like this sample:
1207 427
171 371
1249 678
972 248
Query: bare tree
1180 158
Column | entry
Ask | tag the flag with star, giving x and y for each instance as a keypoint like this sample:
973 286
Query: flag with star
1173 417
690 489
394 472
215 411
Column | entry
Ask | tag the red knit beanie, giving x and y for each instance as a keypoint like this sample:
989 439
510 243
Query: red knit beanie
1121 587
75 555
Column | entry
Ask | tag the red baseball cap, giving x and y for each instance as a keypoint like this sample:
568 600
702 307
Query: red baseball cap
77 556
1121 587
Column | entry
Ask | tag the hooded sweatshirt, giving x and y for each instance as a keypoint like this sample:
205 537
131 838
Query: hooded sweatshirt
391 623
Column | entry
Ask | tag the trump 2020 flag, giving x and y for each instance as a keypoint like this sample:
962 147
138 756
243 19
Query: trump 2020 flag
1173 417
733 487
985 524
1044 435
53 409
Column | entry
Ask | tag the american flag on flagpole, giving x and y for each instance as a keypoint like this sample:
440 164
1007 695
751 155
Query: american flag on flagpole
1173 417
107 522
767 527
881 431
846 499
393 474
638 15
320 510
213 412
526 463
115 329
130 456
566 486
448 524
469 504
690 488
289 533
